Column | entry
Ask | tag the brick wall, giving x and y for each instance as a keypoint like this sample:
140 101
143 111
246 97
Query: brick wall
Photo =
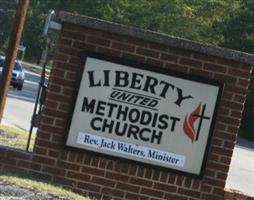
97 176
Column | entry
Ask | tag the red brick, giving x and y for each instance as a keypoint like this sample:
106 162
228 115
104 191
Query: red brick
108 51
206 188
147 52
127 187
215 68
176 67
89 186
99 41
61 57
235 89
132 196
204 57
112 36
151 192
134 57
225 78
65 41
117 176
23 164
211 197
214 182
93 171
154 62
54 154
189 192
79 176
43 160
190 62
180 52
180 180
232 104
19 155
64 181
112 192
83 46
68 50
165 187
222 151
175 197
243 82
103 181
143 182
47 144
240 98
53 171
41 151
222 176
224 135
123 46
239 73
229 120
225 160
73 35
169 57
229 145
47 120
67 165
217 166
199 72
156 175
233 129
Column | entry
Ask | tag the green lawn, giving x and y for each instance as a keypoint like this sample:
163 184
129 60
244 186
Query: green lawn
49 188
15 137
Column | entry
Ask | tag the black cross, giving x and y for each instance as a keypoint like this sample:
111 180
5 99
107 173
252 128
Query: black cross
202 116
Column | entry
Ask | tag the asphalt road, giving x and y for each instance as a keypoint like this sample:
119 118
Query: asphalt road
20 104
19 109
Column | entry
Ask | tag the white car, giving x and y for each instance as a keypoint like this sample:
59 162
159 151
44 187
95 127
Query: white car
18 74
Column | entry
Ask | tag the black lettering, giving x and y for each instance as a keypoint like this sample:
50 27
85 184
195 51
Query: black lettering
107 125
152 103
156 136
163 122
92 123
144 101
135 82
134 115
122 113
106 77
121 79
91 80
123 96
165 88
150 84
133 131
174 120
88 107
117 129
181 97
145 118
111 108
142 132
100 108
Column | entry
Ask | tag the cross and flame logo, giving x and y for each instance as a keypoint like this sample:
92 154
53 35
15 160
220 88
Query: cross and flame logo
191 119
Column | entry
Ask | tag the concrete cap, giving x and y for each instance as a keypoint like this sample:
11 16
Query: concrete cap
154 37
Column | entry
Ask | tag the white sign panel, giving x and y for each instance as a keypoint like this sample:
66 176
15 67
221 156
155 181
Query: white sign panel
144 114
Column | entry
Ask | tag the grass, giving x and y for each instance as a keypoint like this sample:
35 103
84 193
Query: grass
40 186
34 68
15 137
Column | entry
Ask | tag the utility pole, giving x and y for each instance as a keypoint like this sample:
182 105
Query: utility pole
12 52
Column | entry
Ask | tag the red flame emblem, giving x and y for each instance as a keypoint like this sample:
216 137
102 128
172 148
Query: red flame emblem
188 126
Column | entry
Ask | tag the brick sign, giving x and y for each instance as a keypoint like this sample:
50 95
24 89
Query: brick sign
144 114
